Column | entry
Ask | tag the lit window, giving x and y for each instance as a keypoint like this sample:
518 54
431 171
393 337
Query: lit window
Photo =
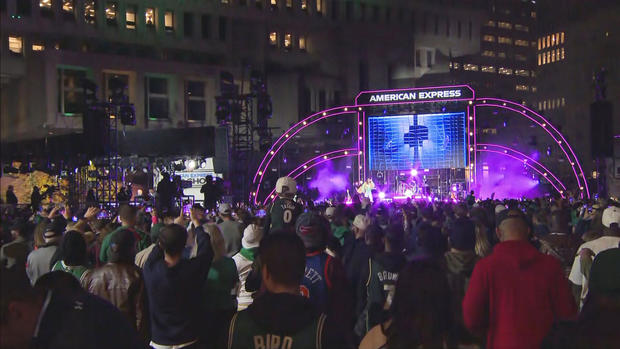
157 99
562 37
289 3
274 2
304 4
539 105
520 57
522 28
288 41
456 65
470 67
38 47
490 23
501 55
488 53
149 17
302 43
548 57
522 88
90 12
169 21
522 72
563 101
548 40
539 59
488 69
533 14
562 52
504 40
70 91
523 43
544 105
273 39
195 101
544 58
319 6
45 4
539 44
67 5
224 1
16 44
504 25
489 38
534 88
110 12
533 73
505 71
130 17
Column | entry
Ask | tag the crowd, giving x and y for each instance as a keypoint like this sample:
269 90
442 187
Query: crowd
541 273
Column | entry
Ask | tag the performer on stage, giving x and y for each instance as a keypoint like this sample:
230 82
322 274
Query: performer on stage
366 188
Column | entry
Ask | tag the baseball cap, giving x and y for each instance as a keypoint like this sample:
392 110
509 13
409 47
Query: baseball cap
611 215
463 235
361 222
605 274
286 185
499 209
512 213
330 212
252 236
312 228
54 229
224 209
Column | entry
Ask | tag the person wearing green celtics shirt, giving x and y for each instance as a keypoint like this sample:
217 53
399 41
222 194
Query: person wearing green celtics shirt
281 317
128 216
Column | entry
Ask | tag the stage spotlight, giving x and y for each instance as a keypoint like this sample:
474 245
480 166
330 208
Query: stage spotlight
190 165
414 172
454 188
381 195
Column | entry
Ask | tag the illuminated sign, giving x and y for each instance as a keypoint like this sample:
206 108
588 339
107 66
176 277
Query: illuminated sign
444 93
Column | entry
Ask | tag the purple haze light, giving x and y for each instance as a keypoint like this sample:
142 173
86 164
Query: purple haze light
328 181
382 195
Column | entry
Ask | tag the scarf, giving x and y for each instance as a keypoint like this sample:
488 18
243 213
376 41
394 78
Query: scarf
249 253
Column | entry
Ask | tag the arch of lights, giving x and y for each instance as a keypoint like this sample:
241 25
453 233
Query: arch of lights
452 93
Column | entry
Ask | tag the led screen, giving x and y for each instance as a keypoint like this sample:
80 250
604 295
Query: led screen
430 141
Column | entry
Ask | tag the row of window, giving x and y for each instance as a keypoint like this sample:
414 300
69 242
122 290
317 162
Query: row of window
157 99
550 40
501 54
287 41
493 69
551 104
552 56
507 25
506 40
525 88
449 30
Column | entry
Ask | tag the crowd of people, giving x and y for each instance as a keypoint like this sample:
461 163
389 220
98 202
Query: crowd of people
541 273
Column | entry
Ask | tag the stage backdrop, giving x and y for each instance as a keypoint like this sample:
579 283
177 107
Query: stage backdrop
402 142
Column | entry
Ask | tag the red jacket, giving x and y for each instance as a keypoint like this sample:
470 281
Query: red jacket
515 295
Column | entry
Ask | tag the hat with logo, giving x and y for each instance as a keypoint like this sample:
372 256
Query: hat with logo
54 229
224 209
251 236
499 208
611 215
312 228
361 222
286 185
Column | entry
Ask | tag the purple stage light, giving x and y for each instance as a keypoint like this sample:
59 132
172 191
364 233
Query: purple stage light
382 195
414 172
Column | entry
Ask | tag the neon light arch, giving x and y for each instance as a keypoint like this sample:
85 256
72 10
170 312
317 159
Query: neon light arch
545 125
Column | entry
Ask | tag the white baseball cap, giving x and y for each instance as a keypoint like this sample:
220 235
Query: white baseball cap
286 185
611 215
362 222
330 211
499 208
252 236
224 208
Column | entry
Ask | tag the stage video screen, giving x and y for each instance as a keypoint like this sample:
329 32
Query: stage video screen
401 142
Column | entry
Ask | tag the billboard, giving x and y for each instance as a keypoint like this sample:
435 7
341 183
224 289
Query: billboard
401 142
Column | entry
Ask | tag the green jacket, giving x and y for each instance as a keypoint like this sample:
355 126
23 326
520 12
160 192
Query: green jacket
142 241
77 270
222 285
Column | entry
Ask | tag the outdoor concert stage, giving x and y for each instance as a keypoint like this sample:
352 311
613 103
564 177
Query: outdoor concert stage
420 143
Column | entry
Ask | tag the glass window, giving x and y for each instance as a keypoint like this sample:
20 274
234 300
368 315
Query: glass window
520 57
319 6
548 40
16 44
539 60
552 55
273 39
505 71
169 21
38 47
223 26
67 6
114 81
302 43
490 23
533 73
522 72
548 57
523 43
562 37
544 58
539 44
522 88
304 5
289 3
418 58
504 25
130 17
110 12
470 67
534 88
70 90
533 14
501 54
562 53
456 65
429 59
274 2
488 53
195 101
488 38
288 41
563 101
522 28
149 17
205 26
157 101
188 24
504 40
488 69
44 4
90 11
